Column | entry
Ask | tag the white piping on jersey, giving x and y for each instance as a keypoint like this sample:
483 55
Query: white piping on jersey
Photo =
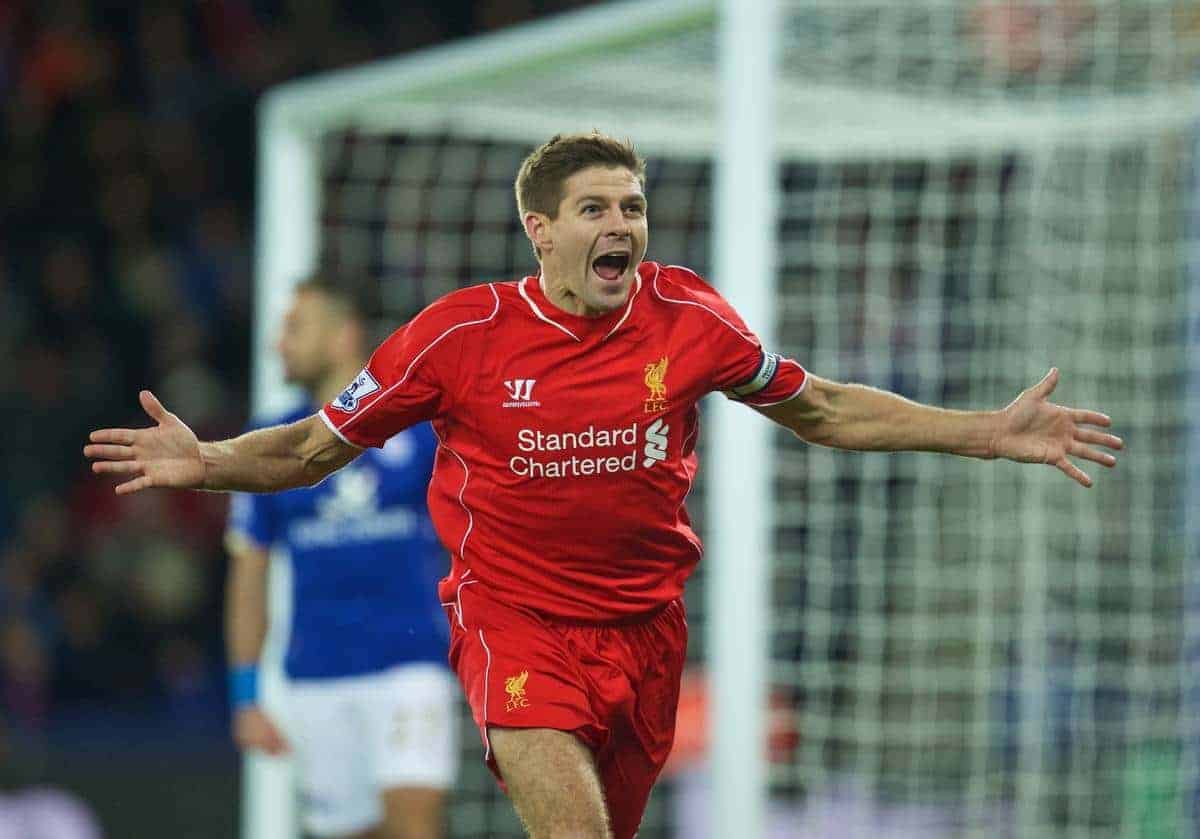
458 597
462 547
538 312
628 309
487 675
432 344
663 297
541 315
749 340
691 478
329 424
787 398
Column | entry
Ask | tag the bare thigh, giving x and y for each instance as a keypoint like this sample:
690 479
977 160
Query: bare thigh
553 783
413 813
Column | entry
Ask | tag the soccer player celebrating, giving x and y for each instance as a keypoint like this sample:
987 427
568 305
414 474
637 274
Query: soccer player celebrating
565 407
369 708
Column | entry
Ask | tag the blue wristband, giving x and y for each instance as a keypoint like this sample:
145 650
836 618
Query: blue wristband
243 686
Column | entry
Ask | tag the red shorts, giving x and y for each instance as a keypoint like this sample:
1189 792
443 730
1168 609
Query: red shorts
616 688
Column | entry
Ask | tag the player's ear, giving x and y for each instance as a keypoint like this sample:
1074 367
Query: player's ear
537 228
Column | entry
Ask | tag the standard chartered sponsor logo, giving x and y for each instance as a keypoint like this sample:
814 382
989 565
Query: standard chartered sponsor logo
533 442
656 443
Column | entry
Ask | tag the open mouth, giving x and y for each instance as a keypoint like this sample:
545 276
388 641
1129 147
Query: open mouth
611 266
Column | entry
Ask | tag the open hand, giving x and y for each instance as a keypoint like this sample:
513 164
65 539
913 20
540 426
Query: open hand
1034 430
253 729
165 455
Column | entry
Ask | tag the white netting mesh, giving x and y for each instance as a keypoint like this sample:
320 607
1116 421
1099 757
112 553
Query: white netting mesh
970 192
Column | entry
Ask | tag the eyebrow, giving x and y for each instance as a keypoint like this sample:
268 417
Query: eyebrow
600 199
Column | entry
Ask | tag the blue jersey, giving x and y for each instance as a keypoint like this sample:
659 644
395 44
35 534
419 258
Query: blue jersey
365 560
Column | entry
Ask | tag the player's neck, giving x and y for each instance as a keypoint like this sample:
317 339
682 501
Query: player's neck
563 298
332 385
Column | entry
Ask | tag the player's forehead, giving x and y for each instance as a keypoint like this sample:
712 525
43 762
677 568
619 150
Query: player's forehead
613 182
308 304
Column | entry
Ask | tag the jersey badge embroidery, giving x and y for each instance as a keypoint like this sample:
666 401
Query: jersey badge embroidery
656 443
520 394
514 686
656 374
363 385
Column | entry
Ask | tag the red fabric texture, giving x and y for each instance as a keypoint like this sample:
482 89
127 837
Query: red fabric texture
616 687
567 443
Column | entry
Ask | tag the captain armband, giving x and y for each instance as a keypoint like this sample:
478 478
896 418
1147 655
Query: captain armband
760 380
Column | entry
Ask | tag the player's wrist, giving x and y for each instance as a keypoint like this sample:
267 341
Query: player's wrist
243 686
996 423
208 456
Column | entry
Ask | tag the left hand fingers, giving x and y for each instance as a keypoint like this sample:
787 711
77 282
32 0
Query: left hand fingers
1088 453
1082 417
1073 472
1110 441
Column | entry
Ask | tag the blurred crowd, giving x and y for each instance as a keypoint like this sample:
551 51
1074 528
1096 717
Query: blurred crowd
127 161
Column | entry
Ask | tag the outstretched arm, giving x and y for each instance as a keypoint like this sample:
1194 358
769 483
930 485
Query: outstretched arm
169 455
1030 429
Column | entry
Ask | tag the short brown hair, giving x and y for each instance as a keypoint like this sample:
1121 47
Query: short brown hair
540 181
356 297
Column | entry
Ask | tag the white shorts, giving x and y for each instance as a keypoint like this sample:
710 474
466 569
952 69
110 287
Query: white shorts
354 737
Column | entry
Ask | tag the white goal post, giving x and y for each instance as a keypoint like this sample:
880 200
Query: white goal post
898 192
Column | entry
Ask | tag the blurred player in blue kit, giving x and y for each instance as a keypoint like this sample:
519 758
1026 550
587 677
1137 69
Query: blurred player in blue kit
369 708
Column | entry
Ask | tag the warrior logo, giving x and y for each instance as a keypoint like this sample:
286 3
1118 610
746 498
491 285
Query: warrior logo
520 394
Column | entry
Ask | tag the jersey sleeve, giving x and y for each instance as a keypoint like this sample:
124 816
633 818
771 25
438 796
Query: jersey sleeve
741 367
410 377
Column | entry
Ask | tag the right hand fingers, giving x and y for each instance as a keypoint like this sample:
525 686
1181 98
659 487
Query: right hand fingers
120 436
117 467
108 452
134 485
152 406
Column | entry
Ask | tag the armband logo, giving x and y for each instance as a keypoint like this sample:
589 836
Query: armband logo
764 376
364 384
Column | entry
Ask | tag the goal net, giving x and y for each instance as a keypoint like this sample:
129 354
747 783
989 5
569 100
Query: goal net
969 192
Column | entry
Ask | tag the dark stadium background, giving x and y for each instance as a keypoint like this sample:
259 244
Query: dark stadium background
126 206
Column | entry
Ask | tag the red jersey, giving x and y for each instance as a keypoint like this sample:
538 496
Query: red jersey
567 443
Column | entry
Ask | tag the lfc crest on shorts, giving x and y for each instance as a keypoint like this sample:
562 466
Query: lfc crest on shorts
514 686
656 374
